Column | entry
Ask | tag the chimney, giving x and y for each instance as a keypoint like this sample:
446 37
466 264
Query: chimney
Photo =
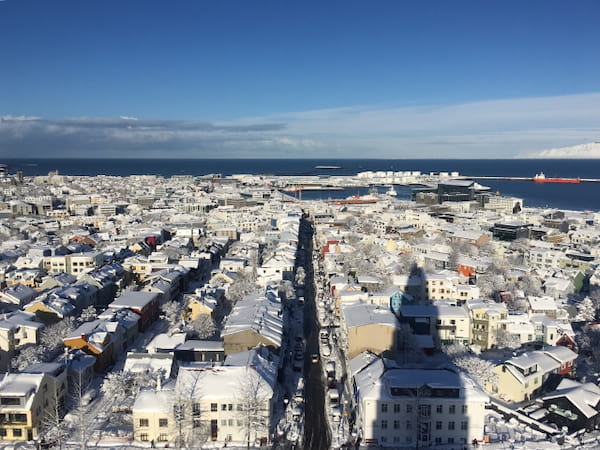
158 382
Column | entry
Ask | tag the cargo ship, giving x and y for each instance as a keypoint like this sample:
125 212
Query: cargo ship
541 178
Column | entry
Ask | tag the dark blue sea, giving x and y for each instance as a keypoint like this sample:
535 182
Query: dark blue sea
583 196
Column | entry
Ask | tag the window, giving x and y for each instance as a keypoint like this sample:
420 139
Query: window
143 436
230 422
2 431
17 432
144 423
438 440
408 425
384 407
196 423
464 409
396 407
396 424
214 407
163 422
383 439
439 409
196 409
450 440
451 425
163 437
230 407
463 425
384 424
452 409
223 407
240 407
408 408
223 422
438 425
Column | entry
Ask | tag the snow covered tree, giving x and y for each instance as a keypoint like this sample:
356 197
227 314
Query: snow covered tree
253 406
53 335
116 385
530 285
504 339
88 314
406 343
586 312
492 281
454 350
27 356
244 284
300 275
589 343
204 326
286 289
172 313
479 369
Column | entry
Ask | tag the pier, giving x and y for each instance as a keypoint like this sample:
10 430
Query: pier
468 177
338 182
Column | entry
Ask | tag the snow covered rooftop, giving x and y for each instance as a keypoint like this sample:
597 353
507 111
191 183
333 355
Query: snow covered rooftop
361 314
131 299
154 401
545 303
219 382
148 362
585 397
201 345
260 312
165 341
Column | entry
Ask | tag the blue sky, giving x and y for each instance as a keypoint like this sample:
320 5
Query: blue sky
288 79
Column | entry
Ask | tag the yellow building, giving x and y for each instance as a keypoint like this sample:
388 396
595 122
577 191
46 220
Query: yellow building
27 399
486 318
367 327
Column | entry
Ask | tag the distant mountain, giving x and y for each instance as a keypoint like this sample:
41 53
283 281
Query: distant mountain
583 151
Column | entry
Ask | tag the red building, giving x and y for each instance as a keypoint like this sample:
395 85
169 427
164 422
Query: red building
146 304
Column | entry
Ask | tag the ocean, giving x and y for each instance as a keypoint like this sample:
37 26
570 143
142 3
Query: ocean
583 196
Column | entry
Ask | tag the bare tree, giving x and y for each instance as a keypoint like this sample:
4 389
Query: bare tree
52 422
253 406
191 427
80 407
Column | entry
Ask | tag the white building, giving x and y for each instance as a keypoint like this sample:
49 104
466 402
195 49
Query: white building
416 407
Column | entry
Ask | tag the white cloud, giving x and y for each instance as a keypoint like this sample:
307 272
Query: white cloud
484 129
591 150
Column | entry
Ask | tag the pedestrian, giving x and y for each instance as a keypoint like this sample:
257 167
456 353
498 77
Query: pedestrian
152 444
